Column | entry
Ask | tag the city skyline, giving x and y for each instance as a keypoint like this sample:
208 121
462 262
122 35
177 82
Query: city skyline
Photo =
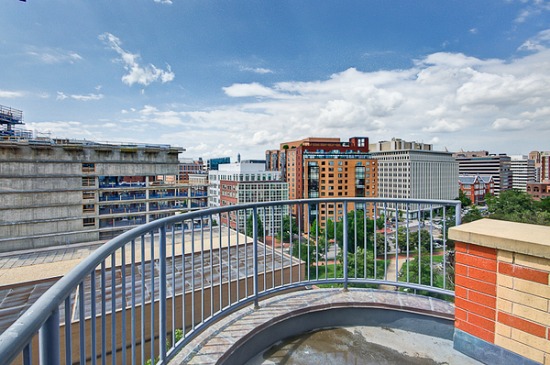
220 79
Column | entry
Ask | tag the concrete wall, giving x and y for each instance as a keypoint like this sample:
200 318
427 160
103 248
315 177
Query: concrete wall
41 188
503 291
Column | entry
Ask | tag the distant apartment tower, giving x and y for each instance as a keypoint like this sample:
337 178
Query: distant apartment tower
483 163
523 172
248 182
476 187
325 168
542 165
410 170
535 156
61 192
545 166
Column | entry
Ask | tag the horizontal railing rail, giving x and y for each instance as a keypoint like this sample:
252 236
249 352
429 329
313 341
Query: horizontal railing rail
145 294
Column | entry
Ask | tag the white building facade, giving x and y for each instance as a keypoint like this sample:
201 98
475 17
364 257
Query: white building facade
523 172
248 182
417 174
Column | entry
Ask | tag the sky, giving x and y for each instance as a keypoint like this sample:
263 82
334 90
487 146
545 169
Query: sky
224 77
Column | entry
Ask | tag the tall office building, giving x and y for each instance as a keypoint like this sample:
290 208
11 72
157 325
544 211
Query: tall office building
324 168
410 170
248 182
483 163
523 171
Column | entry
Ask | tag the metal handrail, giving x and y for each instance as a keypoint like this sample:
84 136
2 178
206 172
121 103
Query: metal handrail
43 317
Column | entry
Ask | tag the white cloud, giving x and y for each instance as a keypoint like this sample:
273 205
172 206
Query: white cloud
7 94
450 99
51 55
532 9
136 73
166 2
505 124
258 70
249 90
538 43
89 97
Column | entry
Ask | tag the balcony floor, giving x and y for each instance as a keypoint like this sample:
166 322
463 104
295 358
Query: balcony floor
386 318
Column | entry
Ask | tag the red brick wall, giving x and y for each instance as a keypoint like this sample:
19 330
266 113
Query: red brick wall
475 289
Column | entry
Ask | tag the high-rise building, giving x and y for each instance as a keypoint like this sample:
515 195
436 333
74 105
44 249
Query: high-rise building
523 171
483 163
324 168
61 191
410 170
248 182
535 156
545 166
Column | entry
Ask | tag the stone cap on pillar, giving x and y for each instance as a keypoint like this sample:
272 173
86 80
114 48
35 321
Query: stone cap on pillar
528 239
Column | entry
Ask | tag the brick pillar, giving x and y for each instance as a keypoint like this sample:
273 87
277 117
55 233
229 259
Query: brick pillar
475 290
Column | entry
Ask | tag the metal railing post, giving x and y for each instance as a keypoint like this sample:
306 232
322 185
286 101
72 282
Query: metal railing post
458 214
255 254
162 293
49 340
345 244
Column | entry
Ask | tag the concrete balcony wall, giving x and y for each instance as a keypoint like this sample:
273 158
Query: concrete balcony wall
502 291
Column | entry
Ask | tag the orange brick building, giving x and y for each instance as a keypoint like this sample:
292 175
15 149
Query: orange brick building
325 168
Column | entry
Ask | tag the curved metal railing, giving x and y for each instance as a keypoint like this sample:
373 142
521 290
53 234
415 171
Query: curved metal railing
144 295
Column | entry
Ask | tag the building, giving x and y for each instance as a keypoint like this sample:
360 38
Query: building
545 166
539 191
248 182
397 144
523 172
213 163
476 187
535 156
483 163
416 172
61 191
189 166
324 168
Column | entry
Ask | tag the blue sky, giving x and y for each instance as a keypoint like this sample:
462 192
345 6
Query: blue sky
225 77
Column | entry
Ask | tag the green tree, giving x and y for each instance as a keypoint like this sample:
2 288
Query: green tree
425 241
250 227
290 224
473 215
464 200
518 206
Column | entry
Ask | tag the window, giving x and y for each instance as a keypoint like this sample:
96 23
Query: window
88 181
88 222
88 167
88 195
88 208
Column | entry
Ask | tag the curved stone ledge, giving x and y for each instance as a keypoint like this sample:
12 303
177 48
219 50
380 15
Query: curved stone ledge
243 334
